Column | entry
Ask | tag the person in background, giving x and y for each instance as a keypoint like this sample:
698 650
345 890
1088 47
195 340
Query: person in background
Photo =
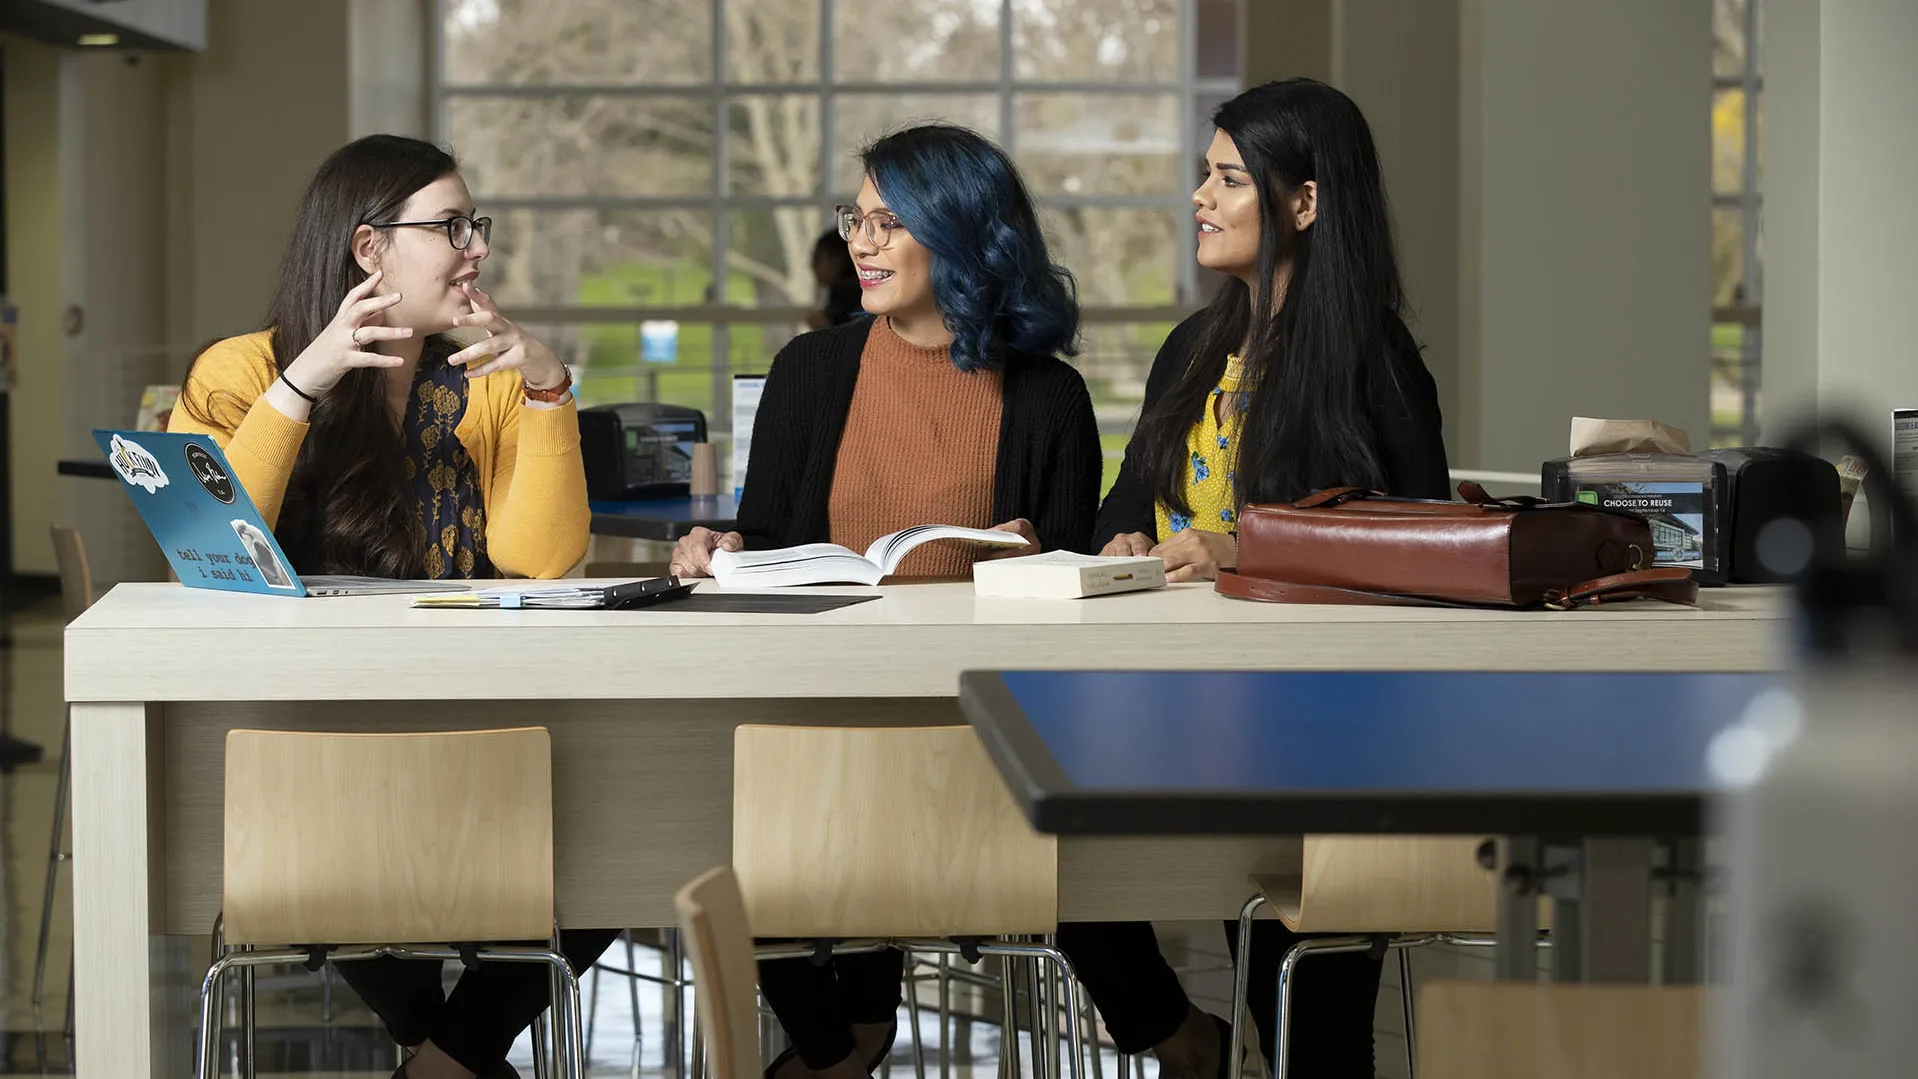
373 444
838 282
949 406
1301 375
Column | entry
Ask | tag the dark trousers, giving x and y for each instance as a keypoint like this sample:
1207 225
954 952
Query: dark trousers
492 1003
818 1005
1142 1002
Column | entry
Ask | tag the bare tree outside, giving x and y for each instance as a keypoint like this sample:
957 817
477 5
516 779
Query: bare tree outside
608 196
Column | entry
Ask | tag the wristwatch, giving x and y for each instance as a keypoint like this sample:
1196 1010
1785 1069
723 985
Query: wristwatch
553 395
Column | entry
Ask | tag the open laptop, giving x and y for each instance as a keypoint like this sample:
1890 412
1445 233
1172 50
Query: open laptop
209 529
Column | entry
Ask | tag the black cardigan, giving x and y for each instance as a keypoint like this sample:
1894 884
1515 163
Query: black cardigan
1049 463
1404 411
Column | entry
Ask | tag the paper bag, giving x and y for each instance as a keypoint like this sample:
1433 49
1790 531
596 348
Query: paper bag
1591 437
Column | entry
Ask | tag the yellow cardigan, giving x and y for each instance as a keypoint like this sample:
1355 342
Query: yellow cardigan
528 460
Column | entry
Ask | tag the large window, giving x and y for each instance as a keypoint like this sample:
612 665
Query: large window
659 170
1737 283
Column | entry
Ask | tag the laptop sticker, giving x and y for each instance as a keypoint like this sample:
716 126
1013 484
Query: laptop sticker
135 465
209 473
264 560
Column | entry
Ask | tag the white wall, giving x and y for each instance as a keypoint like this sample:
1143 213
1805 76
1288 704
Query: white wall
257 118
177 177
33 275
1548 163
1399 60
112 273
176 22
1585 220
1841 227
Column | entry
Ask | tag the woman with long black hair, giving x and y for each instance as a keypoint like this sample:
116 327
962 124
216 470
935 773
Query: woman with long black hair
1300 375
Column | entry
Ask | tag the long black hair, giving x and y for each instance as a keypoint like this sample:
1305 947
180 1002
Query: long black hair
347 507
1311 358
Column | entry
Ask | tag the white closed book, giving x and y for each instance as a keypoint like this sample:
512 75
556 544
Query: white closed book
1064 575
829 563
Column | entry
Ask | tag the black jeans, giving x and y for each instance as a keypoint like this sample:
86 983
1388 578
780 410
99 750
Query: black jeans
492 1003
818 1005
1142 1002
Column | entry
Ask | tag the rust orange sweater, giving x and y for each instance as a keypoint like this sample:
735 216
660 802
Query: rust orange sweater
920 447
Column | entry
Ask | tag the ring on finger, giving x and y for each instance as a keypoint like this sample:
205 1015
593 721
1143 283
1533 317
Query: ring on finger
357 343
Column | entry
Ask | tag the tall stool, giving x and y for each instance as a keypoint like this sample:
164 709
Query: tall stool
878 837
1382 892
76 595
712 922
351 846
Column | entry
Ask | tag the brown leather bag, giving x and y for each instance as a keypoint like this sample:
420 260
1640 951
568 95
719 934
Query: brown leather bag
1347 545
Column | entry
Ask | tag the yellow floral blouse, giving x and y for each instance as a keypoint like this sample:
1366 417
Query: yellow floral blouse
1210 472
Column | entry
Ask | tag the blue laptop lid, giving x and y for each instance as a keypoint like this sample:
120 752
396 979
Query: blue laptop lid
198 513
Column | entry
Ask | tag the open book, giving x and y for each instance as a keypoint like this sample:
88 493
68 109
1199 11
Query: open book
829 563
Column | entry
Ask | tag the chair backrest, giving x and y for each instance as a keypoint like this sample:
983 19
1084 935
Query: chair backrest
388 838
878 831
712 919
1381 884
76 578
1517 1030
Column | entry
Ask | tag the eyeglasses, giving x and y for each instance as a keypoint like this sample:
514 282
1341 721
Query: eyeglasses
876 226
459 230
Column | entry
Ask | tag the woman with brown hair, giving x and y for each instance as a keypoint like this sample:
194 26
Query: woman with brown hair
374 445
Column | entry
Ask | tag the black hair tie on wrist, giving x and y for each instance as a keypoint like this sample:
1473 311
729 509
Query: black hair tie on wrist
310 399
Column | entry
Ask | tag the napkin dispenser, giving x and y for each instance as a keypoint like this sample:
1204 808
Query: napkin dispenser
640 449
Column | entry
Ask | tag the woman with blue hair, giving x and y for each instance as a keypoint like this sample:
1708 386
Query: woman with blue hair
947 406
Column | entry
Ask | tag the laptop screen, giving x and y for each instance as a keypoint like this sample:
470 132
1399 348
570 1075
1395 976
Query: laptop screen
198 513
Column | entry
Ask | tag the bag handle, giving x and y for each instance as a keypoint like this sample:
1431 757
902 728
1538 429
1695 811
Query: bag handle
1672 584
1333 496
1471 491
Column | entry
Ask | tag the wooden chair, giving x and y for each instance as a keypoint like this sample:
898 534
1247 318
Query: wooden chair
1391 892
353 846
76 595
1517 1030
925 848
712 922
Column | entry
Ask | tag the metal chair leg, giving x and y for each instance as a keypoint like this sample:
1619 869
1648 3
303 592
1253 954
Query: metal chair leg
945 1016
699 1041
1054 995
1068 986
592 1010
672 1038
542 1049
1008 1020
1288 975
54 857
207 1047
572 1057
1241 987
1091 1023
1288 969
249 1019
206 1055
632 987
912 1016
1405 1002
